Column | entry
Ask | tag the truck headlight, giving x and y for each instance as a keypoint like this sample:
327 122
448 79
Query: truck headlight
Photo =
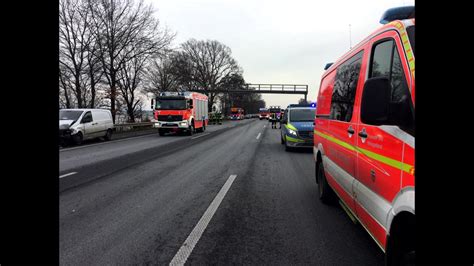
183 123
292 132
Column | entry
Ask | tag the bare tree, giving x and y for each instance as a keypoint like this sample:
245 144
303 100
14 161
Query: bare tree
161 74
65 88
206 64
74 37
94 71
125 30
130 76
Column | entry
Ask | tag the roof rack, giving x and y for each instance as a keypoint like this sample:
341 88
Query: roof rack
398 13
328 65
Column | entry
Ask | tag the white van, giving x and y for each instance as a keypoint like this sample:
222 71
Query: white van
80 124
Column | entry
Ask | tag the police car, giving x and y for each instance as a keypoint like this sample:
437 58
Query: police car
297 126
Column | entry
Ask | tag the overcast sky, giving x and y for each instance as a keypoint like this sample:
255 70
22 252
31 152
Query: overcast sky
277 41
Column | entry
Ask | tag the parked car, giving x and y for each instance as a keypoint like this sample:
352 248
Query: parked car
76 125
364 137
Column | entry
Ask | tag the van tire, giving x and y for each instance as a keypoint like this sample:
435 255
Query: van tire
108 135
401 243
325 192
78 138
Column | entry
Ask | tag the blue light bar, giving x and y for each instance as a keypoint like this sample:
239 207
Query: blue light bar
398 13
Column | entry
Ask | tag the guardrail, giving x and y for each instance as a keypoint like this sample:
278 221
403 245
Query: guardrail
133 126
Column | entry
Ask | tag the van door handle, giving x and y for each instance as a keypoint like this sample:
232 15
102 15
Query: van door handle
350 130
94 124
363 134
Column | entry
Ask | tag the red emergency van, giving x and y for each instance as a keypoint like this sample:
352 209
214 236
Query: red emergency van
364 137
180 111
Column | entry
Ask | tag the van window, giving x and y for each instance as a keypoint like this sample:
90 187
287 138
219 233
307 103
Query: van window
386 62
344 91
87 117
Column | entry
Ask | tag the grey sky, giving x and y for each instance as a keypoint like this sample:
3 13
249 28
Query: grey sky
277 41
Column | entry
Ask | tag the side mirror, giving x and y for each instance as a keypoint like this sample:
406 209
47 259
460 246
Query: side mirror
375 105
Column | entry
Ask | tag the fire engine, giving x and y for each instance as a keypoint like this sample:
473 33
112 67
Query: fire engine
180 112
236 113
263 113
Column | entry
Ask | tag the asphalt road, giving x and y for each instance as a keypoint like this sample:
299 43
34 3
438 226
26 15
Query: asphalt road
136 201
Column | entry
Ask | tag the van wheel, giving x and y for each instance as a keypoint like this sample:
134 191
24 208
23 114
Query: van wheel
401 245
77 139
326 194
108 136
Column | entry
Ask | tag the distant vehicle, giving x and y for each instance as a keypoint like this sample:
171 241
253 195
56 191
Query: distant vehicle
263 113
180 112
77 125
297 127
236 113
364 135
274 110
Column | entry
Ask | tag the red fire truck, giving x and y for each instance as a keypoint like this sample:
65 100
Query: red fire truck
236 113
264 114
180 112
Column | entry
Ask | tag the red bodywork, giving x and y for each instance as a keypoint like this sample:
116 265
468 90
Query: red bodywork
383 164
198 113
237 113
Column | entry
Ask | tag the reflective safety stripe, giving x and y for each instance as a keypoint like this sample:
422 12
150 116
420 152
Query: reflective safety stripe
386 160
290 126
406 45
293 139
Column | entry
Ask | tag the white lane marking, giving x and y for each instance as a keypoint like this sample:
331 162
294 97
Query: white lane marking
106 142
258 136
200 136
72 173
265 126
188 245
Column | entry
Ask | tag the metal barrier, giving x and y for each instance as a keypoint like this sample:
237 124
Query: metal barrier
133 126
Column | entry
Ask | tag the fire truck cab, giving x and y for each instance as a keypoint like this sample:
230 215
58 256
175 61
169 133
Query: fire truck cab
364 137
236 113
180 112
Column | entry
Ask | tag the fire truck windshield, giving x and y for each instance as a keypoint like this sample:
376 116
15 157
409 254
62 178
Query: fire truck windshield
168 104
301 115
